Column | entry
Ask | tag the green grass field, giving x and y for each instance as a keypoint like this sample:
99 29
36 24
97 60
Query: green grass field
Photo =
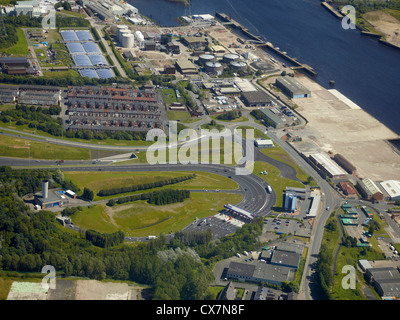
258 134
96 181
277 183
142 219
279 154
19 148
20 48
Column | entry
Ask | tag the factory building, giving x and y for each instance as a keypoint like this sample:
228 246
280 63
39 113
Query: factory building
39 95
16 66
113 108
275 120
386 281
196 43
369 190
47 199
108 9
292 87
345 164
260 272
392 188
8 94
186 67
256 99
326 166
29 8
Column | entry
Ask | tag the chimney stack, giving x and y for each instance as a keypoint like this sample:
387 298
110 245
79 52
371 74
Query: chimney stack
45 188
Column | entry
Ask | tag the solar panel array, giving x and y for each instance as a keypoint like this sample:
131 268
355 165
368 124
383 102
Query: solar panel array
84 35
99 73
91 47
85 53
75 47
69 35
82 60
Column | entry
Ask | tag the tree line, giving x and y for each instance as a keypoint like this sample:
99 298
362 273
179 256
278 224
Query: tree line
104 240
261 116
159 198
145 186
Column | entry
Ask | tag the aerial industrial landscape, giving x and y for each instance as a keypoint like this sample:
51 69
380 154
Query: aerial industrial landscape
196 161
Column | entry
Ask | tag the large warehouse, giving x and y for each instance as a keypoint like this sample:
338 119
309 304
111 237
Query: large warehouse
327 166
392 188
256 99
292 88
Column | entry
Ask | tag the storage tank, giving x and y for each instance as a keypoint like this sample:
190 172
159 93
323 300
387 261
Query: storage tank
128 40
239 65
120 29
230 57
214 67
123 34
204 58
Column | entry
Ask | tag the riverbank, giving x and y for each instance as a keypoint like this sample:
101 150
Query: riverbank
376 24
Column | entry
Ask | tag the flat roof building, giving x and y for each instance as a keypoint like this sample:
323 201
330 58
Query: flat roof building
286 259
369 190
345 164
186 67
260 272
47 199
392 188
292 88
256 99
386 281
265 143
326 165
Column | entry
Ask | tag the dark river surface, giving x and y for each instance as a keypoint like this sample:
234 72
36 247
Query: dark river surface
364 70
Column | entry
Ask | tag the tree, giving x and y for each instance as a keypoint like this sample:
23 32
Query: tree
88 194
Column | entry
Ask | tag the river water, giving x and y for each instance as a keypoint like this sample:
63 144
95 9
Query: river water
364 70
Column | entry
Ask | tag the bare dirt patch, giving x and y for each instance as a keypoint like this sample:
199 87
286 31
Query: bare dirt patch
385 23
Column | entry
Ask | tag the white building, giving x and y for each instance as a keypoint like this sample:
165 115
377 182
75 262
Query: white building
327 165
266 143
392 188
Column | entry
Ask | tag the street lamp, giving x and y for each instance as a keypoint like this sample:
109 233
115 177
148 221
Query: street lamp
29 155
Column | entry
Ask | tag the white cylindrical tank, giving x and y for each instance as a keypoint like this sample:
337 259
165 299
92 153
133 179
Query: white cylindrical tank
123 34
128 40
120 29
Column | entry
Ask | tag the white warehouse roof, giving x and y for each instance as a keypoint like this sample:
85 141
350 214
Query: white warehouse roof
328 164
392 187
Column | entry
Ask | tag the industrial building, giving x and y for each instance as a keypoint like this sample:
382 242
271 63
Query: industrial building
392 188
186 67
264 143
275 119
289 202
256 99
326 166
29 8
292 87
345 164
8 94
47 199
314 206
196 43
285 259
39 95
301 193
108 9
260 272
386 281
369 190
16 66
113 108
